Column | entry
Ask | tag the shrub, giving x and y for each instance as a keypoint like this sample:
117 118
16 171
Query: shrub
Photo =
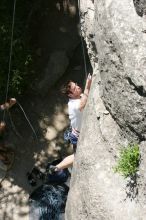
21 73
128 162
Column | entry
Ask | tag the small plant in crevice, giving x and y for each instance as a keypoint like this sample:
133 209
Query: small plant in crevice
128 166
128 162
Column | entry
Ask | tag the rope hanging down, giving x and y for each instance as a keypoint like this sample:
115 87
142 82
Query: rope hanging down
83 49
7 86
10 56
9 70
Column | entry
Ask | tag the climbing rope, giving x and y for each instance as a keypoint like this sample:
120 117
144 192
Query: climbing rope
10 56
14 127
83 49
9 70
28 120
8 167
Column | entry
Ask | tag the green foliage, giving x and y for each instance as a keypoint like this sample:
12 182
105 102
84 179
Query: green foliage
128 161
22 56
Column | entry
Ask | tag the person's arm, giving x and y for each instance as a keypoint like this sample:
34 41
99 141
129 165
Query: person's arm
2 126
84 97
9 104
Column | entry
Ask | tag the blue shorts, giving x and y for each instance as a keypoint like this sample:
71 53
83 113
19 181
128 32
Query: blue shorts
70 137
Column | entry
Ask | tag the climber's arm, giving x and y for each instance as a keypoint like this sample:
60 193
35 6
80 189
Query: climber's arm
84 97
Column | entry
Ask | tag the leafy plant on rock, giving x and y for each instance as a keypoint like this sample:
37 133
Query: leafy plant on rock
129 159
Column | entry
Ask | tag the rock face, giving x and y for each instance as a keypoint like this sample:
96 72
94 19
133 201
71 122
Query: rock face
115 114
55 40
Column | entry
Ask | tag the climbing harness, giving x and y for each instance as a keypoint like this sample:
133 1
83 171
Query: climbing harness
69 137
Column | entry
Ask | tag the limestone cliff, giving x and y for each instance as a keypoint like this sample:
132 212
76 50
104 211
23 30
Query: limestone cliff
115 115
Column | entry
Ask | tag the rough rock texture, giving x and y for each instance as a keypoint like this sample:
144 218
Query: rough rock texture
122 63
114 116
56 66
56 38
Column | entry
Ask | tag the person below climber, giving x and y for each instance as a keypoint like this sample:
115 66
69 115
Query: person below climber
3 150
76 104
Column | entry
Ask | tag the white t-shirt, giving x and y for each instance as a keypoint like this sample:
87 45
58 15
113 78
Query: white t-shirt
75 115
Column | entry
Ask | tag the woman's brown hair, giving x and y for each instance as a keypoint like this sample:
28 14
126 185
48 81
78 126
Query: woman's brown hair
65 89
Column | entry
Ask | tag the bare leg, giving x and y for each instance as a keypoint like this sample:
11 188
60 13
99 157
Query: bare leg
66 162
